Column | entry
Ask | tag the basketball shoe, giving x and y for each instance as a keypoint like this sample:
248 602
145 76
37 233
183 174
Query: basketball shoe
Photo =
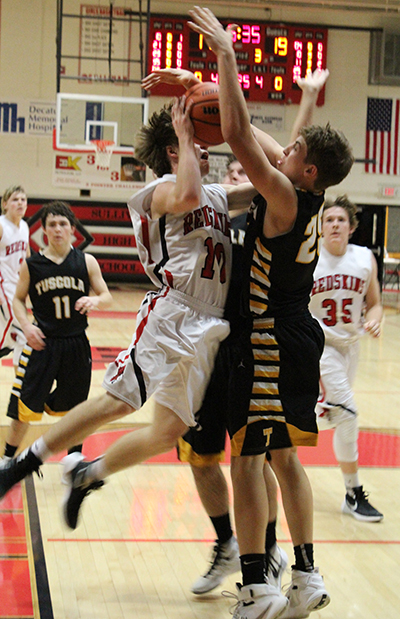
224 561
261 601
277 562
17 469
305 593
357 505
4 461
79 485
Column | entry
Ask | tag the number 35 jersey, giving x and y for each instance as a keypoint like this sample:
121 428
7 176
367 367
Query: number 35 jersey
54 290
337 297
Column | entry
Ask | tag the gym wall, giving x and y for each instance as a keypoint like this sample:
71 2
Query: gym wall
28 76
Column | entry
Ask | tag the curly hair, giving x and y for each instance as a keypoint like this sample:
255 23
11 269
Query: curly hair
57 207
330 152
152 140
346 205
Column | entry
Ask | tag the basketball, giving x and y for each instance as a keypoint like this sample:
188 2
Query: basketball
205 114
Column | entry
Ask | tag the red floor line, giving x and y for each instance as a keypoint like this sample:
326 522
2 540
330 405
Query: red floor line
210 541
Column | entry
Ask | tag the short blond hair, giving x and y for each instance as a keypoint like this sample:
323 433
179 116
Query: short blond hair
8 193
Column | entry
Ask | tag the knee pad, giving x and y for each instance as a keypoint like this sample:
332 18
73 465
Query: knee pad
345 440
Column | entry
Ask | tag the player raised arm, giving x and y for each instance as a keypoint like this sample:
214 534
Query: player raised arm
276 188
177 77
311 87
184 194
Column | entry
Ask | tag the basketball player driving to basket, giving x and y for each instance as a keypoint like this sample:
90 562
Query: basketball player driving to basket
182 233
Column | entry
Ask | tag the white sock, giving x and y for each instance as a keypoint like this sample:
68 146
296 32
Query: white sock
40 449
351 480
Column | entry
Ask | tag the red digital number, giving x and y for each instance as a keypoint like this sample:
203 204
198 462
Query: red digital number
244 80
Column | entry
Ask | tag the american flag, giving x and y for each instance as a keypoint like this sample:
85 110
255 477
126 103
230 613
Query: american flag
382 136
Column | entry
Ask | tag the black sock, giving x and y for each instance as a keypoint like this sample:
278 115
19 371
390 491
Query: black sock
270 537
270 541
223 529
10 450
304 557
77 448
253 569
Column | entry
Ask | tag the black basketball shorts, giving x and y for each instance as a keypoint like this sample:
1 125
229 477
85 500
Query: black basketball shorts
204 444
66 364
278 378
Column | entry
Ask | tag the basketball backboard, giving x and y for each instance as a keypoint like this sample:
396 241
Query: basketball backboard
82 118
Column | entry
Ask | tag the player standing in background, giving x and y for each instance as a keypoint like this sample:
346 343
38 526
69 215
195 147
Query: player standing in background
346 301
14 248
276 383
58 281
234 172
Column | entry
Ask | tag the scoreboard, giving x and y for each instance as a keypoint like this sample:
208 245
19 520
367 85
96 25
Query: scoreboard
270 57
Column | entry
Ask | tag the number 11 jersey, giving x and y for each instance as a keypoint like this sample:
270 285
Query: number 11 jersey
54 290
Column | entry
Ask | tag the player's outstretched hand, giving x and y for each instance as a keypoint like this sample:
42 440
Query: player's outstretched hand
180 114
373 327
178 77
313 81
205 23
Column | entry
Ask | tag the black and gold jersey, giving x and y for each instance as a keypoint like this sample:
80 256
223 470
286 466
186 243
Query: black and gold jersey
54 290
281 269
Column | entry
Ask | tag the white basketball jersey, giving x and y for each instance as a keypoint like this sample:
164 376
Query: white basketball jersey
337 297
190 252
13 246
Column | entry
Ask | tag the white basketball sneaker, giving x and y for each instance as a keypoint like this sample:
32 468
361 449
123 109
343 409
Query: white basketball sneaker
306 593
356 504
4 461
277 563
261 601
224 561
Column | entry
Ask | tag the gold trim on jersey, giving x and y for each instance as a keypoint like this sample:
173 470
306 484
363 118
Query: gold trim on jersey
254 418
49 411
25 414
269 371
187 454
21 369
259 280
301 438
265 391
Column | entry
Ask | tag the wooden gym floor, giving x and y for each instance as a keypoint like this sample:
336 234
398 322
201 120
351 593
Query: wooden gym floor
144 538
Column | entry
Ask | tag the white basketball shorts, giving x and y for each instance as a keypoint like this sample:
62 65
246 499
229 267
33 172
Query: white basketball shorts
338 368
171 355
